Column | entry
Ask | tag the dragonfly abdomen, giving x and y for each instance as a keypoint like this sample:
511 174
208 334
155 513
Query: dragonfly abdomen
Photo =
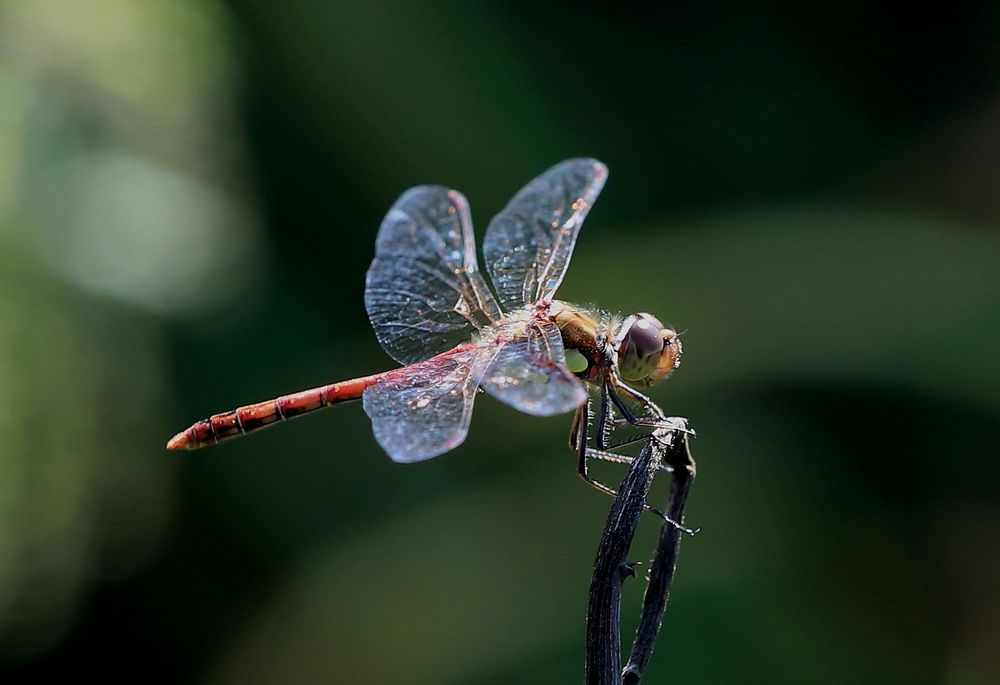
254 417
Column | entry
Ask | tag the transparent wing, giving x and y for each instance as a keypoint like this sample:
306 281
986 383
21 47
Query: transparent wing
529 244
423 410
528 371
424 292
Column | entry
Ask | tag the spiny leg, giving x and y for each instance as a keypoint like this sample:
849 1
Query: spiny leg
577 432
607 423
580 421
574 431
604 451
656 418
601 487
605 426
624 459
605 454
601 439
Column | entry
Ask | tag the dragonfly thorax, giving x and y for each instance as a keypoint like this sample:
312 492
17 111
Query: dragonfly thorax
587 337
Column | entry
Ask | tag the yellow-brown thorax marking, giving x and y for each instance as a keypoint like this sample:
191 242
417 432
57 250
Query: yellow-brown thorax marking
584 334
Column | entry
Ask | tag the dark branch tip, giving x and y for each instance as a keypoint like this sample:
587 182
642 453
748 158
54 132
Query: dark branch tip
626 569
630 675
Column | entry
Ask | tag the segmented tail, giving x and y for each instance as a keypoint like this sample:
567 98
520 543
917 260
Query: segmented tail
254 417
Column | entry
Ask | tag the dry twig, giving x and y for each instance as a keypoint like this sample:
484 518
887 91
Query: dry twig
611 566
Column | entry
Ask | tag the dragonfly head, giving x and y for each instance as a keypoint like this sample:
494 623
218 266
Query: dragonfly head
647 350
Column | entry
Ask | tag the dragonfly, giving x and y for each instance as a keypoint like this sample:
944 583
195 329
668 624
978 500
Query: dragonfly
433 312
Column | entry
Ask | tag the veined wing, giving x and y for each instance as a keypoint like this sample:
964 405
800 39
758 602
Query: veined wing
527 369
529 244
423 410
424 292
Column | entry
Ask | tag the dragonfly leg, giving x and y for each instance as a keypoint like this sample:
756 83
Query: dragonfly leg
656 418
607 422
584 452
625 459
621 459
574 432
580 422
674 424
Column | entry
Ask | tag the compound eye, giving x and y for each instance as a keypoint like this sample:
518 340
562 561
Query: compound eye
641 348
670 359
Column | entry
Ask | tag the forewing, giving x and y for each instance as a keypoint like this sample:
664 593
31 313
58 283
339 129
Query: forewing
529 244
423 410
424 292
528 370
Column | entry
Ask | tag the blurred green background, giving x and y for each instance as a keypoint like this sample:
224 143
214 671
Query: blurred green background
189 195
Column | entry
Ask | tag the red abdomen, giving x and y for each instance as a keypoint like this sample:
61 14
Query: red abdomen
253 417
